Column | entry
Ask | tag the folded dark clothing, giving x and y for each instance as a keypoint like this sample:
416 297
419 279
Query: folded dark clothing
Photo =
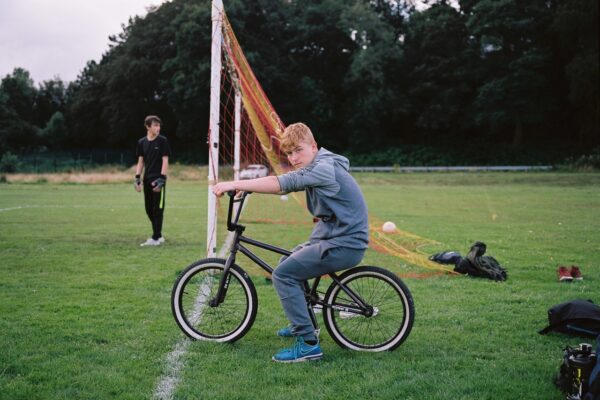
446 257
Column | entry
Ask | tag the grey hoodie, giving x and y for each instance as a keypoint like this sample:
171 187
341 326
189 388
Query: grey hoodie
333 196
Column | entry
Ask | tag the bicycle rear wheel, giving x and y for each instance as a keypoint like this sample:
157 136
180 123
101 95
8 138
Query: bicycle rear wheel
391 303
197 286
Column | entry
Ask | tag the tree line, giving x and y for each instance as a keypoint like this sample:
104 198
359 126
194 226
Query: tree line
366 75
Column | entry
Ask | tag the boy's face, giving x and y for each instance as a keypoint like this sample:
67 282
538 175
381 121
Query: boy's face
302 155
154 129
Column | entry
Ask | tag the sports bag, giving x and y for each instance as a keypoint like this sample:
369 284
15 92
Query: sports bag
476 264
576 317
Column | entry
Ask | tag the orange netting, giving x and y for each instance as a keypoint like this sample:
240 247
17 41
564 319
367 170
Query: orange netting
260 129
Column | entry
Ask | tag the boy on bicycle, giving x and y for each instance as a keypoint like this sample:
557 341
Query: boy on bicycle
338 240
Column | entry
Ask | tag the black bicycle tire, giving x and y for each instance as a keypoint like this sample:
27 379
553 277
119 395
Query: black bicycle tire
195 332
406 302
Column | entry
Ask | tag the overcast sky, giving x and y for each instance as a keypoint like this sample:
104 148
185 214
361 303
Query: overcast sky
52 38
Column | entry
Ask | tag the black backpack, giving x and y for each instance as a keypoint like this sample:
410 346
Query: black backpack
476 264
576 317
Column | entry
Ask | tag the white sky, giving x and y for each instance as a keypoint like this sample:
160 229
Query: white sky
56 38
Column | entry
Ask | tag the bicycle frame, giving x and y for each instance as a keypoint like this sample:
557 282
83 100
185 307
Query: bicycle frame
310 292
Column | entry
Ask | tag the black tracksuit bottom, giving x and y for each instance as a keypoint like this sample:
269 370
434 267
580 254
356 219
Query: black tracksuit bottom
155 207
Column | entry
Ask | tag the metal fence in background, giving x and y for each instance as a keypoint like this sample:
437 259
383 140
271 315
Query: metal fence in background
454 169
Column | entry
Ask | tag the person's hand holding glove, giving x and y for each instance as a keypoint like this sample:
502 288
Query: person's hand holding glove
159 183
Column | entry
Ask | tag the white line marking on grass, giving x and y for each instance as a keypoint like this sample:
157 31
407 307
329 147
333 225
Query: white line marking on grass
175 360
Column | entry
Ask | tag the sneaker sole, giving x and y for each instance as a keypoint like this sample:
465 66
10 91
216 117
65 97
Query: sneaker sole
565 279
313 357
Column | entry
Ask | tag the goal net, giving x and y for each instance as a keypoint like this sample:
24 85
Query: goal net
244 142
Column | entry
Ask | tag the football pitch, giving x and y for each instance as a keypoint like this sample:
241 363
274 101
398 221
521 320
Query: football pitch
85 311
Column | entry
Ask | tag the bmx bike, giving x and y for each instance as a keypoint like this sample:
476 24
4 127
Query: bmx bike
365 308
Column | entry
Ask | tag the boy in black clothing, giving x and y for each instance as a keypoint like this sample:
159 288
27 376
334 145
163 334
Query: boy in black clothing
153 153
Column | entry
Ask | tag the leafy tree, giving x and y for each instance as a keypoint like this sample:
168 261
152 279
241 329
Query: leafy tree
50 98
20 92
516 90
84 109
185 77
373 102
17 100
575 26
442 72
55 132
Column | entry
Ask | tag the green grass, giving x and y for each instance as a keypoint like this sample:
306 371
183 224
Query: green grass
86 314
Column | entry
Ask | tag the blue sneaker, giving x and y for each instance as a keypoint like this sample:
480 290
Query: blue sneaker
285 332
300 352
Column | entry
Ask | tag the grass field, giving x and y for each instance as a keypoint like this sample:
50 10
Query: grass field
85 311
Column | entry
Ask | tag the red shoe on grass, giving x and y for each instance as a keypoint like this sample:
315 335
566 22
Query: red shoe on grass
564 275
576 273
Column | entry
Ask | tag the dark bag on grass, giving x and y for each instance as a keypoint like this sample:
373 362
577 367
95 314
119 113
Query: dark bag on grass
576 317
476 264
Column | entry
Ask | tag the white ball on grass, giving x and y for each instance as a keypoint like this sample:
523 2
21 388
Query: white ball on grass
284 198
388 227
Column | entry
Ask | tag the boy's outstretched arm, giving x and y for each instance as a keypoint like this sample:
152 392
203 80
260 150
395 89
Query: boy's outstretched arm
267 184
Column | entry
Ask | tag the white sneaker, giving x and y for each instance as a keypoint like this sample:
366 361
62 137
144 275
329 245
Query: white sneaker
161 240
151 242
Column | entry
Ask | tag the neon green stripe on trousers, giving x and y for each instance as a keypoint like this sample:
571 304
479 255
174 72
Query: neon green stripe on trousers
162 198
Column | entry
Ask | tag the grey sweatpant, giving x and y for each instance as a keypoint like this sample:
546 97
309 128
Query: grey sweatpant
306 262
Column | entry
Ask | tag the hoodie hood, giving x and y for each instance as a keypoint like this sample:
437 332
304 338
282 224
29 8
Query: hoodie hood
325 154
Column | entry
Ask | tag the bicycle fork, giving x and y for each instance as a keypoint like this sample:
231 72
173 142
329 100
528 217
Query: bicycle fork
226 276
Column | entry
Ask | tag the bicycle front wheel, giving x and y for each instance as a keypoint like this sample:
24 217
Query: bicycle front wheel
197 286
390 302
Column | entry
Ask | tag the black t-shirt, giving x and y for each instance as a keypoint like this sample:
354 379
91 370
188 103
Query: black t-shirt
153 151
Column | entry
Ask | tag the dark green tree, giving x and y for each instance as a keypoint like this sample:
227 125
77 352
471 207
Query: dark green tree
575 26
17 102
50 98
442 72
516 93
55 133
84 109
374 102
